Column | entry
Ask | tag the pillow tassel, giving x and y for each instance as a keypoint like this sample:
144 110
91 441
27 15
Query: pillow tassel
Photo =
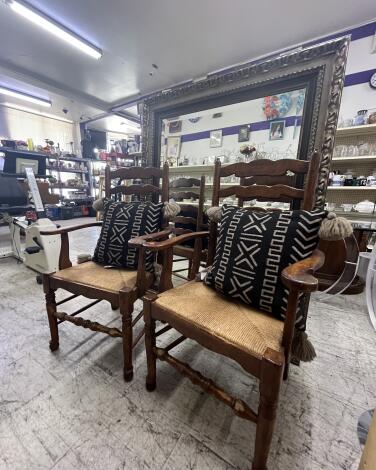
171 209
302 348
98 205
335 228
214 214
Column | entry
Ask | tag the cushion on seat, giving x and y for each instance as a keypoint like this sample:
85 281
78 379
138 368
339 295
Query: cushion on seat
232 321
252 250
96 276
121 222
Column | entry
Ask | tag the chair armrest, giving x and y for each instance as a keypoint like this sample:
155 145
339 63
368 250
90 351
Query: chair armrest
139 241
298 276
62 230
167 244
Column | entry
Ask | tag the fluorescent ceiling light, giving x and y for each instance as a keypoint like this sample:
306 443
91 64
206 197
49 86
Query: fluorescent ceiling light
34 111
24 97
52 26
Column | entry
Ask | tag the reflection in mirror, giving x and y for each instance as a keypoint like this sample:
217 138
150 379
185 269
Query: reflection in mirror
267 127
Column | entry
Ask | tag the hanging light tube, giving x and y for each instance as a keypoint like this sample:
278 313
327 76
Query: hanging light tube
43 21
24 96
34 111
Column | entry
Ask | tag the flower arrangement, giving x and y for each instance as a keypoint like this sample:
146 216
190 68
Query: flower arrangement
247 149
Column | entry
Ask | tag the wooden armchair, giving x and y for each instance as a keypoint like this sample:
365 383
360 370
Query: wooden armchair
190 219
120 287
260 343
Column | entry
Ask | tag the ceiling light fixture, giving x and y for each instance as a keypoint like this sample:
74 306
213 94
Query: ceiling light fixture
34 111
43 21
24 96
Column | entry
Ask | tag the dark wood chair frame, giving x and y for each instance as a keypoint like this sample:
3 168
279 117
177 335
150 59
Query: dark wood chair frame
197 219
298 278
125 298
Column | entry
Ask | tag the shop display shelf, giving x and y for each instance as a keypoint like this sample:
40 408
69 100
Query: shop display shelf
368 158
66 170
356 130
59 186
68 159
351 188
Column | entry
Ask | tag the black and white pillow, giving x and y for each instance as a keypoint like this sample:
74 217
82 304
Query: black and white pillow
252 250
121 222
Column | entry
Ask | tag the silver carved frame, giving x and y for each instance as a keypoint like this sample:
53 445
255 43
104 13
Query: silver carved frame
323 65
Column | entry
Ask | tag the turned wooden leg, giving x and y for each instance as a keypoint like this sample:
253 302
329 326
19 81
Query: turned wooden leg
151 378
51 309
270 382
126 308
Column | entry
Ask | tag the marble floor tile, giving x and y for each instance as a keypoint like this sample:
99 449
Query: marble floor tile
71 409
191 454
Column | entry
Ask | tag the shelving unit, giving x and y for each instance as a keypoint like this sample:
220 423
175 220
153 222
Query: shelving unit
362 165
82 172
367 129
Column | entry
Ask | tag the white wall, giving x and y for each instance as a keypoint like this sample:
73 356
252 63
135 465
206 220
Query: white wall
20 125
360 96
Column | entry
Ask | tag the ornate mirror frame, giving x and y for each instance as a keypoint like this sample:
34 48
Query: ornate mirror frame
320 69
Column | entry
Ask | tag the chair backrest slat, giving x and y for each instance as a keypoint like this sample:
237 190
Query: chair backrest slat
185 183
265 167
136 172
137 189
259 191
184 195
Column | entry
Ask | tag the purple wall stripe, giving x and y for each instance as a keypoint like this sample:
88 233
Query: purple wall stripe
358 77
233 130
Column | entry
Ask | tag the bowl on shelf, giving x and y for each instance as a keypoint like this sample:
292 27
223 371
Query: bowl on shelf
366 207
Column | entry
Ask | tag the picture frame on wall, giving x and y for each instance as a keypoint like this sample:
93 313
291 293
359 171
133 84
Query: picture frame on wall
215 138
174 126
277 130
172 150
243 134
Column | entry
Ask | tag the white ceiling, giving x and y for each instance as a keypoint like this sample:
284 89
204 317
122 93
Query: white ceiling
185 39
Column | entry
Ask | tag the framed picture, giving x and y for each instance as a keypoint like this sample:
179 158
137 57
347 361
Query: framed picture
243 134
277 130
173 150
216 138
174 126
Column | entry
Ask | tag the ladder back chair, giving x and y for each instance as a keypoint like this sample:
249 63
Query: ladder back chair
190 219
260 343
119 286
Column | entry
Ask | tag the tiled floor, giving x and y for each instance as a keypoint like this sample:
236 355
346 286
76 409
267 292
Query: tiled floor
72 410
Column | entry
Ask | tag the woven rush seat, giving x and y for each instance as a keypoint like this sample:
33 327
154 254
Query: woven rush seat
234 322
95 275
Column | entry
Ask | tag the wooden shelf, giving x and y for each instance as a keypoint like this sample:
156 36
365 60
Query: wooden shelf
356 130
59 186
352 188
66 170
68 159
368 158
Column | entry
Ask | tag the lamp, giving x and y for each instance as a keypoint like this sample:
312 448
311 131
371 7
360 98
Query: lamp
43 21
24 96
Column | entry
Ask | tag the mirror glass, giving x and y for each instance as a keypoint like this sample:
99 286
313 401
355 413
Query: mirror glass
267 127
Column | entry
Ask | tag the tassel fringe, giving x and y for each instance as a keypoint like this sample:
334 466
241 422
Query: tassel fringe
302 348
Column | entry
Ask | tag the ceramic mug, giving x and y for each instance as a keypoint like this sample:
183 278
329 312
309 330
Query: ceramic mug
338 180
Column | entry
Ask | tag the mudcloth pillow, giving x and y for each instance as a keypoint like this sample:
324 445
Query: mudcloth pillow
121 222
252 250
